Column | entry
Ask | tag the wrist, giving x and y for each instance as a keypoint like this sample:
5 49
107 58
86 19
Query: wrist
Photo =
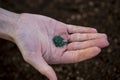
8 24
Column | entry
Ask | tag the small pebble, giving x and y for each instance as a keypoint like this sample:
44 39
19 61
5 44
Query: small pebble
59 41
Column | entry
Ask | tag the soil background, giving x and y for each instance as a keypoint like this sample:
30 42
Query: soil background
104 15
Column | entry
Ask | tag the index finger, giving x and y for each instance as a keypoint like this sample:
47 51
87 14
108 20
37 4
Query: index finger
79 55
80 29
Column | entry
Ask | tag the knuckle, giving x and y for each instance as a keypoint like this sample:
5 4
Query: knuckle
95 50
79 56
87 36
70 28
104 35
75 37
94 29
72 37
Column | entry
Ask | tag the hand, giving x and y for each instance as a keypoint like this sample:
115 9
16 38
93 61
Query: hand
34 36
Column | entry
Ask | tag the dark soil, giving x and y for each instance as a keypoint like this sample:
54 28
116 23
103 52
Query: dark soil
101 14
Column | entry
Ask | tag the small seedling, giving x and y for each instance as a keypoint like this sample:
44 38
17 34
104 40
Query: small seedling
59 41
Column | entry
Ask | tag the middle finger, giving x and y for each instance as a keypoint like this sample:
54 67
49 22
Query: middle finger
102 42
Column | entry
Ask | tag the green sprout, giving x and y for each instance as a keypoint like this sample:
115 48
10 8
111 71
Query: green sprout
59 41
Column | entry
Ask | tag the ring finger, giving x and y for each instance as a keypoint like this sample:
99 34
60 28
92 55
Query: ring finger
76 37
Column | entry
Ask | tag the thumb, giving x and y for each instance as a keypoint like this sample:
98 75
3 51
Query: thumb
41 65
33 56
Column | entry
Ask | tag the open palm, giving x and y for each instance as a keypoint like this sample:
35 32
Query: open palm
34 38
